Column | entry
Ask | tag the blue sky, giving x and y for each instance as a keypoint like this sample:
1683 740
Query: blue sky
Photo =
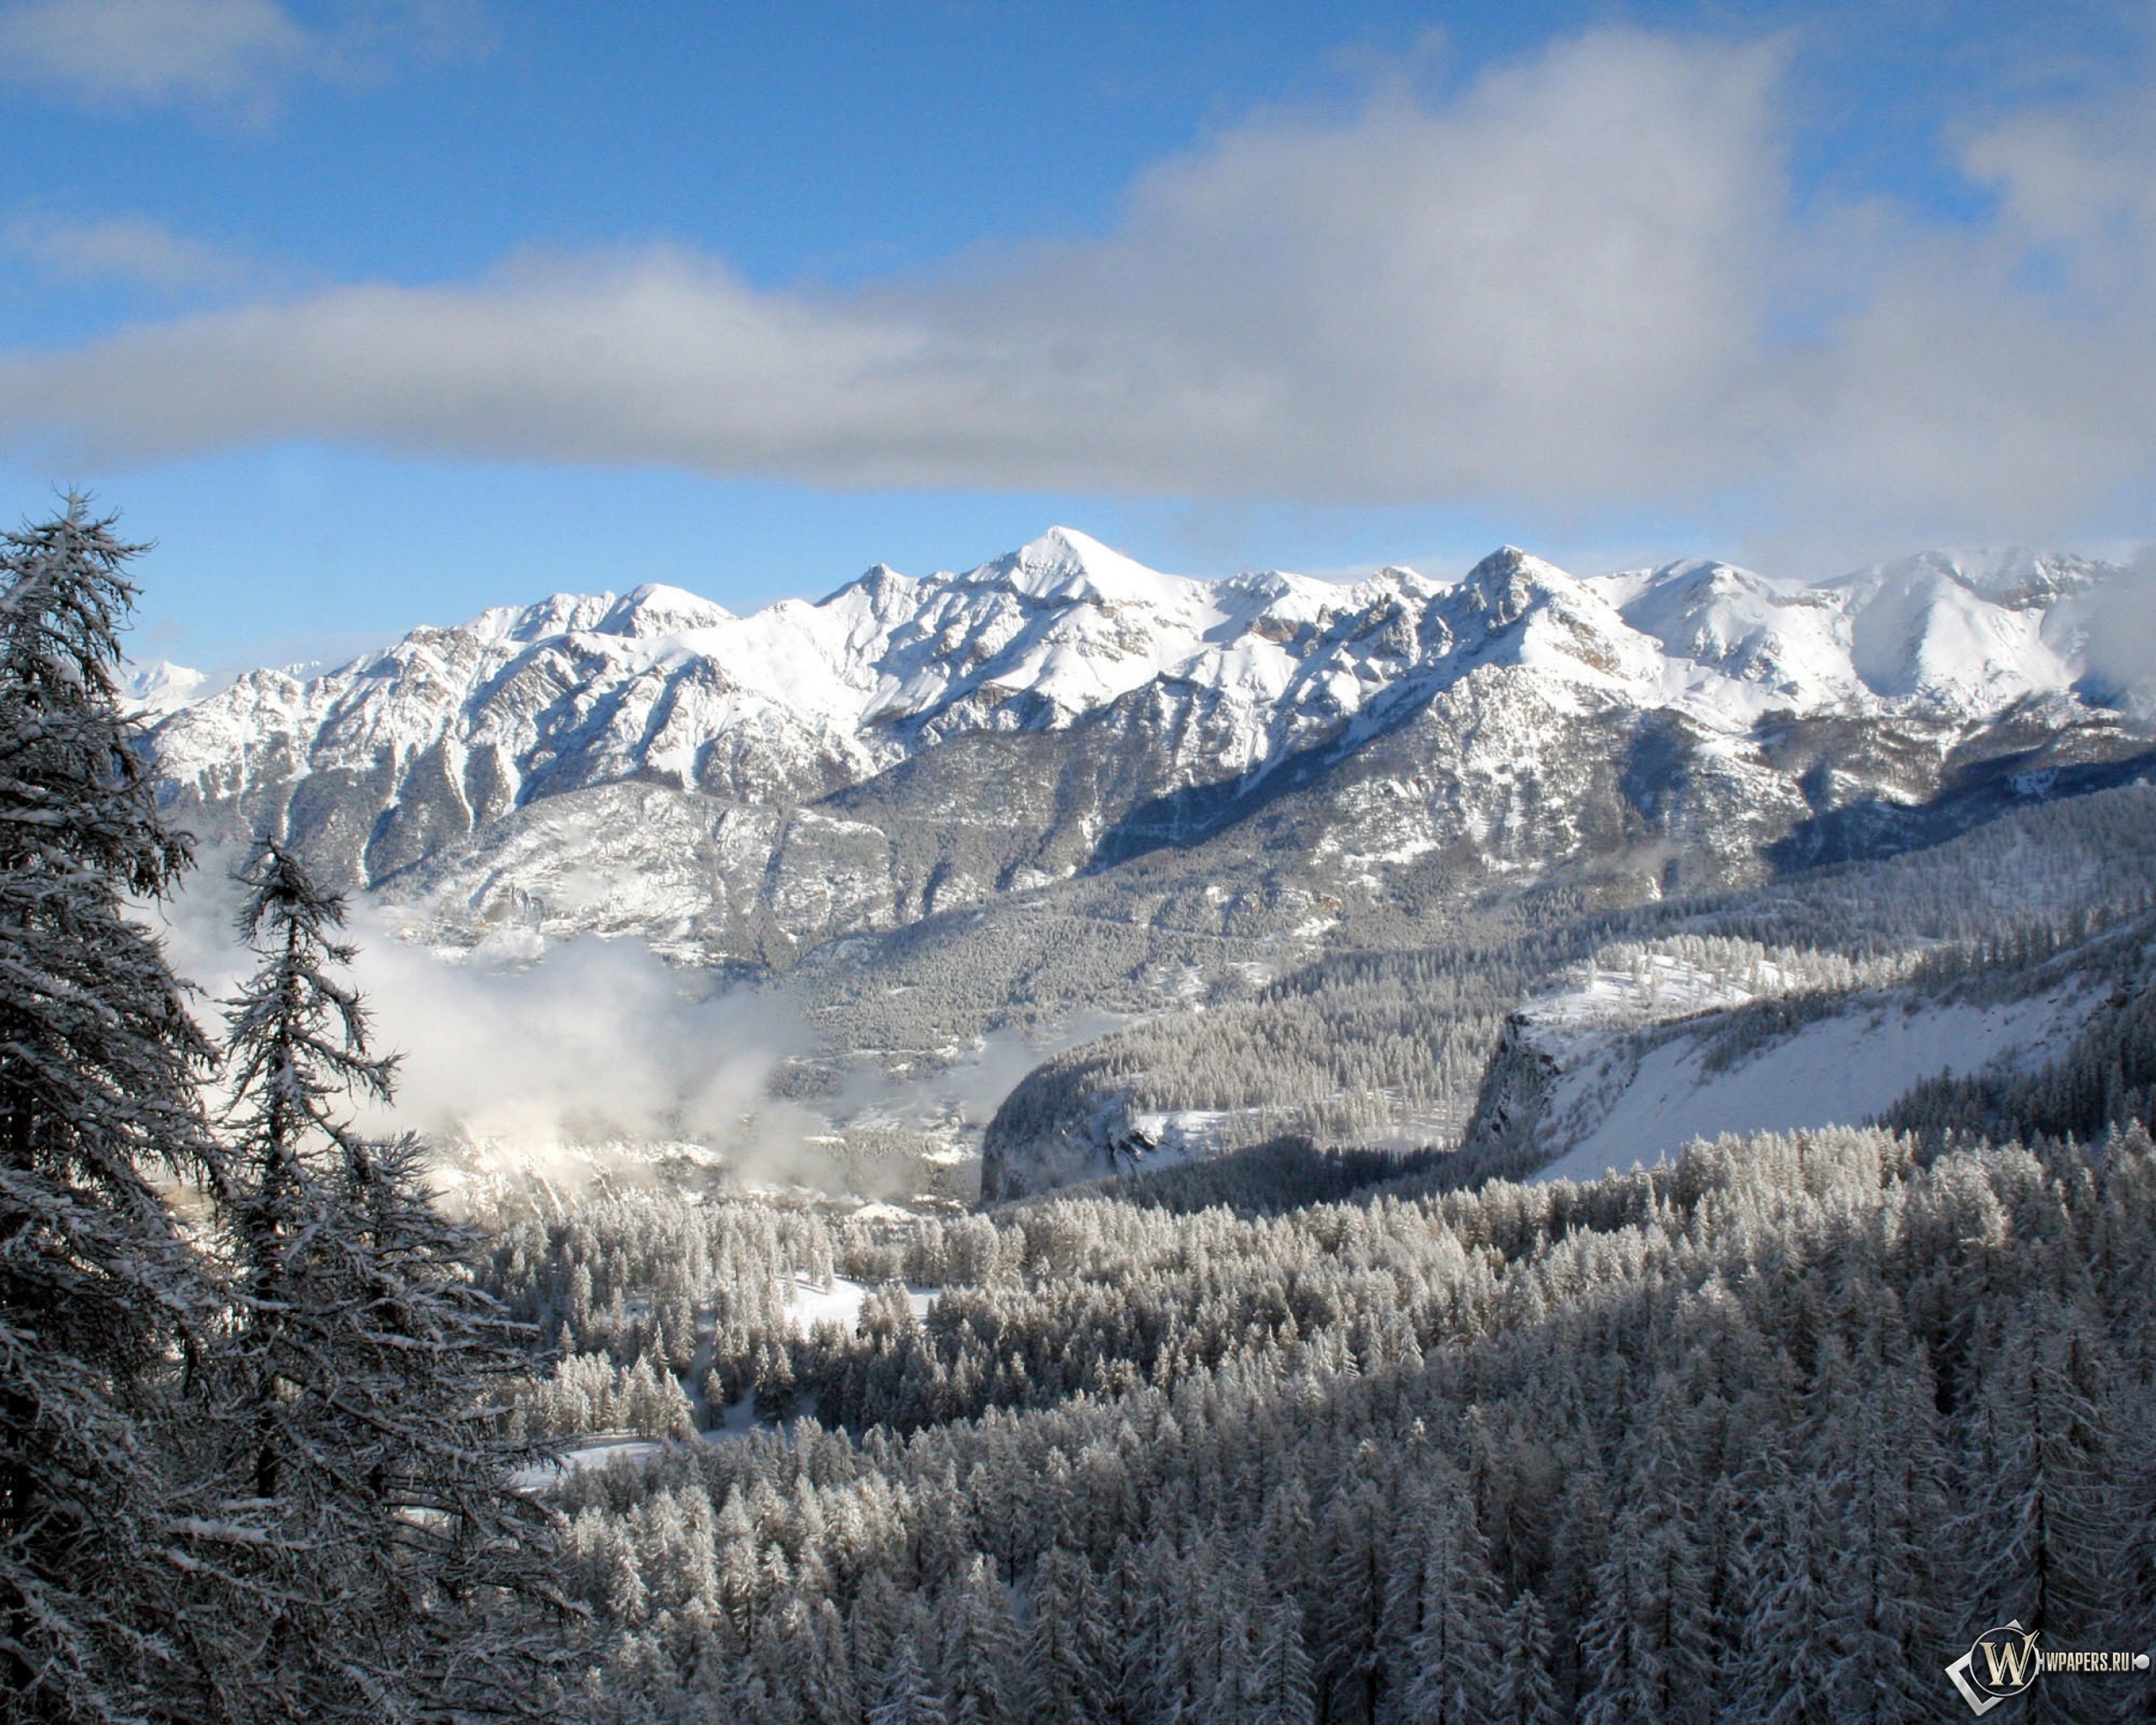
379 311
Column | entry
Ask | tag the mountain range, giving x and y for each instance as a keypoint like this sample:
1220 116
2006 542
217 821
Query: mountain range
1063 782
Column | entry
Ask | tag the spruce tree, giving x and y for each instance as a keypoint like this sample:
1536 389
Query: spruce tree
1067 1640
398 1567
1523 1692
980 1648
1285 1688
1446 1610
906 1698
102 1298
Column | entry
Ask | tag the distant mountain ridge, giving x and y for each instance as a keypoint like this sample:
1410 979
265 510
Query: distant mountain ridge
744 788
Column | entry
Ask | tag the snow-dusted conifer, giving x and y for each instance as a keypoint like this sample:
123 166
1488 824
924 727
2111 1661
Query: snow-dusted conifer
1065 1643
906 1698
1523 1692
100 1293
1647 1640
398 1566
1352 1545
1285 1688
981 1649
1440 1600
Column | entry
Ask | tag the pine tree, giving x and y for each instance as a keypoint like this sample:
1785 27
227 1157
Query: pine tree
1285 1688
1353 1568
1067 1638
1443 1677
1646 1642
1887 1578
980 1648
100 1292
2042 1459
906 1699
1522 1691
398 1566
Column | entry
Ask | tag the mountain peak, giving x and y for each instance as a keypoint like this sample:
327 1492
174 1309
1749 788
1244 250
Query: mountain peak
1065 548
2012 576
1506 560
656 609
1066 565
1504 584
160 688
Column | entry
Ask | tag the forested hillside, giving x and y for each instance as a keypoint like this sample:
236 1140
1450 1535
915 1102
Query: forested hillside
1771 1433
1396 1046
1299 1434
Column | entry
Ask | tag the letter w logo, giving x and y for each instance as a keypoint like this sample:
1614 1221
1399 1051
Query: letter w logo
2012 1663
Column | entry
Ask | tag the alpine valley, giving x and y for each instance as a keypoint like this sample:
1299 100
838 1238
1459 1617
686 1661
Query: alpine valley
1563 870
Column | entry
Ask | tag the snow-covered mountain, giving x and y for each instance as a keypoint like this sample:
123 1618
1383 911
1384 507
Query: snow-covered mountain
747 787
160 688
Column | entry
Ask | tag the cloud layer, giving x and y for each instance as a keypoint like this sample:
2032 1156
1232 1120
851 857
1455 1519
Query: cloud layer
127 248
601 1041
227 56
1579 286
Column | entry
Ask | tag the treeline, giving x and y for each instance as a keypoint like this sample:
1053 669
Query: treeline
1271 1178
1771 1433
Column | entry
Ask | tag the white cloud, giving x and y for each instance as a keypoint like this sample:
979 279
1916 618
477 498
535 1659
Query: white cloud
228 54
1571 289
151 51
131 248
600 1040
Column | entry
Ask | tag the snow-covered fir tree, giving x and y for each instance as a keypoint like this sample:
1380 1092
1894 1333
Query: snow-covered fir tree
398 1574
103 1300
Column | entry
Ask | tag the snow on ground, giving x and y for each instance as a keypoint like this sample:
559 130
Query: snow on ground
1180 1136
841 1302
1658 986
737 1420
1838 1070
602 1450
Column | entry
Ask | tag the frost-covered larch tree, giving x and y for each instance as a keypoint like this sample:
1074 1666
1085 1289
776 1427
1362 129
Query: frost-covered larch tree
400 1575
102 1297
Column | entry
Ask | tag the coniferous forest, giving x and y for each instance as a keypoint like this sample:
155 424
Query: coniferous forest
1770 1432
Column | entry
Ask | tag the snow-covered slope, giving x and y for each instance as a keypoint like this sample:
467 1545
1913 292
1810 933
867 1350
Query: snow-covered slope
1841 1069
1965 634
1645 1051
1721 627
